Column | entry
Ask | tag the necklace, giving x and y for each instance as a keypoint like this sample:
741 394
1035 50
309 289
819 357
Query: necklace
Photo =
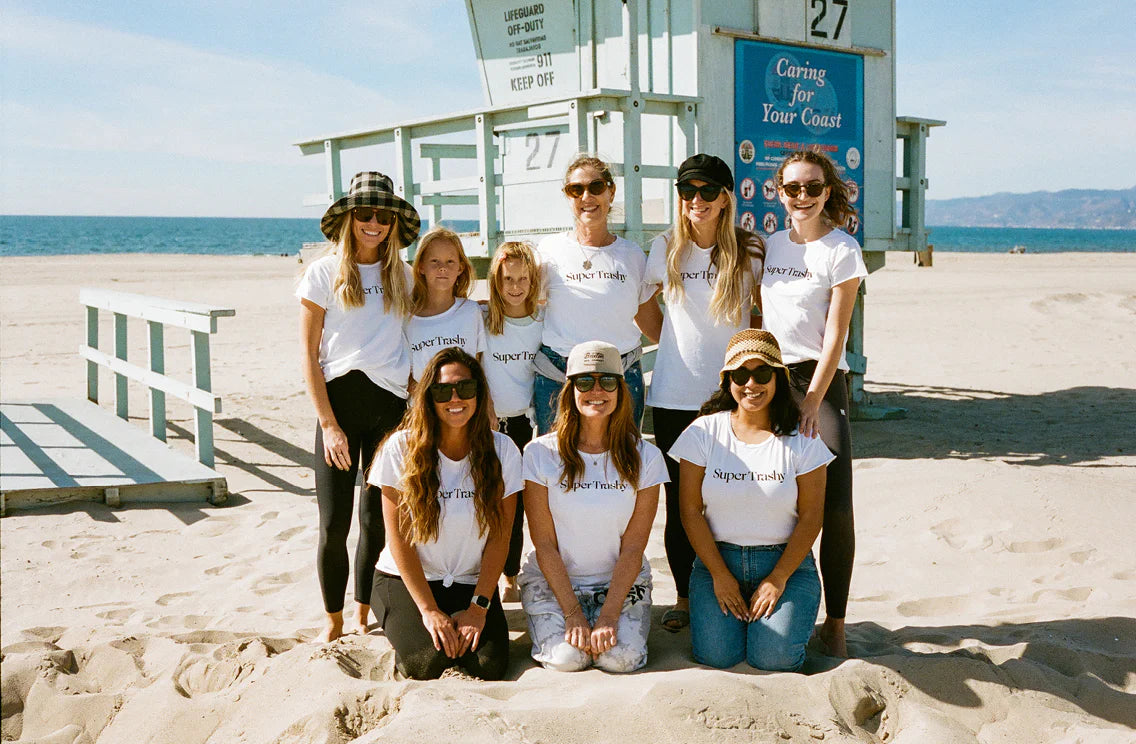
587 258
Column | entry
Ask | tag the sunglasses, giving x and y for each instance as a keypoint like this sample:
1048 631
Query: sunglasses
687 191
584 383
443 392
365 214
595 188
812 188
741 375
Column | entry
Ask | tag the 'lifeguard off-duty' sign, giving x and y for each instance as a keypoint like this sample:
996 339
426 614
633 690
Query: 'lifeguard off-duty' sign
528 50
790 98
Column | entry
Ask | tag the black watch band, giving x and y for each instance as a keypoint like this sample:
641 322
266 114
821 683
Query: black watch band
480 601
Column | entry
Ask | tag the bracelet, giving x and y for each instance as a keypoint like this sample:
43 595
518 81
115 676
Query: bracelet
573 612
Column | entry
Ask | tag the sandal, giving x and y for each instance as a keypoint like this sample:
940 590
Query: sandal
675 620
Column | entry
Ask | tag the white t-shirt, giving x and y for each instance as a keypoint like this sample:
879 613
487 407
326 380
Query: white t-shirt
749 490
599 303
455 556
591 518
459 326
366 338
796 289
691 346
508 363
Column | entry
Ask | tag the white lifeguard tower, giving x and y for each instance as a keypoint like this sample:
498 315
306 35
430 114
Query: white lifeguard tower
646 83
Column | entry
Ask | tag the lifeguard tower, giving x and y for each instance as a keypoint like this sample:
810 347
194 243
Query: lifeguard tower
646 83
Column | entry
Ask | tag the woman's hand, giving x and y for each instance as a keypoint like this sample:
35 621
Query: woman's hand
604 634
469 623
810 414
577 632
441 628
336 452
729 596
764 600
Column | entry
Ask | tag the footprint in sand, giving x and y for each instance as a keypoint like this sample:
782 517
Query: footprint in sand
167 599
115 616
1076 594
276 582
934 606
288 534
1034 546
961 535
1080 557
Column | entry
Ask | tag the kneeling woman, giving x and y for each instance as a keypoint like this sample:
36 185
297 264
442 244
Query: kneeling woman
591 491
752 503
449 483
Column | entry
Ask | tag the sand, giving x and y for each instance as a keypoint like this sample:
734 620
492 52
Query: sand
992 601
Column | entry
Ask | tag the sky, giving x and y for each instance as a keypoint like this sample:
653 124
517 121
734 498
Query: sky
109 107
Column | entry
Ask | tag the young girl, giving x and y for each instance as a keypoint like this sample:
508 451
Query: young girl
812 273
513 325
353 303
443 314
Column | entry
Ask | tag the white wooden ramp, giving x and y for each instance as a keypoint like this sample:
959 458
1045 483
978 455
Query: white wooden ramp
72 450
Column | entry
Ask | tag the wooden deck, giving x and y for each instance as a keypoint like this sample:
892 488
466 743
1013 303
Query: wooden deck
72 450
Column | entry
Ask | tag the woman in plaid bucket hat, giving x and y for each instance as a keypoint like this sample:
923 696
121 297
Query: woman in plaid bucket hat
353 302
752 502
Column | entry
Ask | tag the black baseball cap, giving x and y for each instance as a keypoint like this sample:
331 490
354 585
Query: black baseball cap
708 168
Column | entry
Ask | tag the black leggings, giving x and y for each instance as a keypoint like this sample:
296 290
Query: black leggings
365 412
669 423
838 537
415 655
520 431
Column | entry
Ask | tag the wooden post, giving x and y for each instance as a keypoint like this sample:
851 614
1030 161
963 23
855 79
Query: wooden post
334 182
202 381
632 131
121 402
486 183
157 364
93 342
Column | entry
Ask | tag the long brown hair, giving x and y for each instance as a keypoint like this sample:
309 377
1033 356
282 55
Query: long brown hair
347 287
513 250
419 509
462 284
736 290
623 437
837 209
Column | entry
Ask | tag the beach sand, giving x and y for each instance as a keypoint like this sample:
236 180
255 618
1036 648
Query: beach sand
992 601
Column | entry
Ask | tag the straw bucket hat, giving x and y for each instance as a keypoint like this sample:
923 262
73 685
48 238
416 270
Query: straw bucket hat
752 344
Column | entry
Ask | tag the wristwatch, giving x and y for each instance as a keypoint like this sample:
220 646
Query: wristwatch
480 601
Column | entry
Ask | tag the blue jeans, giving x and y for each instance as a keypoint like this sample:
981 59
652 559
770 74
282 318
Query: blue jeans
546 391
776 643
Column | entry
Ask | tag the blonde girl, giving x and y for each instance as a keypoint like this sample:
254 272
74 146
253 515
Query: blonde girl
353 303
513 325
442 313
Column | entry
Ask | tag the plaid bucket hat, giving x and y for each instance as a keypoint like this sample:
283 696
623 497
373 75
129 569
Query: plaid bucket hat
372 189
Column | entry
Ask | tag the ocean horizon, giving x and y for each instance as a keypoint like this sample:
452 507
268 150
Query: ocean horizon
33 235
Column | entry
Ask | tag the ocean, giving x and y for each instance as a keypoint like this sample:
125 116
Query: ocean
48 236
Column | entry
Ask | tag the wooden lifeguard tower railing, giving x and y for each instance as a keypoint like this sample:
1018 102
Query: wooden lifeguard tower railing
646 83
74 450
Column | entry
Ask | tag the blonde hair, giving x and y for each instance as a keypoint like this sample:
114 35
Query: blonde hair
736 289
464 281
419 508
512 250
347 287
623 437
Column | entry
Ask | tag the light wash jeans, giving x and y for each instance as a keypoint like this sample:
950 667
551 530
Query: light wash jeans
546 623
546 391
776 643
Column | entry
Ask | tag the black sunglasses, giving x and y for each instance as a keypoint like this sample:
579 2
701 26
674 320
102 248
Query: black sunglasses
443 392
584 383
762 375
687 191
812 188
365 214
595 188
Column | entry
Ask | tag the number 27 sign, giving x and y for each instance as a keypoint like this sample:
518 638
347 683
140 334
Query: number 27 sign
829 22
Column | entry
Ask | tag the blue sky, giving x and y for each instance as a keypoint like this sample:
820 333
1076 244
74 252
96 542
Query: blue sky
192 110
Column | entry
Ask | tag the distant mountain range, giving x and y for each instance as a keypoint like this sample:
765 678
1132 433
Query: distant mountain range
1072 208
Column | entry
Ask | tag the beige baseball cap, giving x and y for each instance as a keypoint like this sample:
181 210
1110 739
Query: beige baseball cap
594 356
